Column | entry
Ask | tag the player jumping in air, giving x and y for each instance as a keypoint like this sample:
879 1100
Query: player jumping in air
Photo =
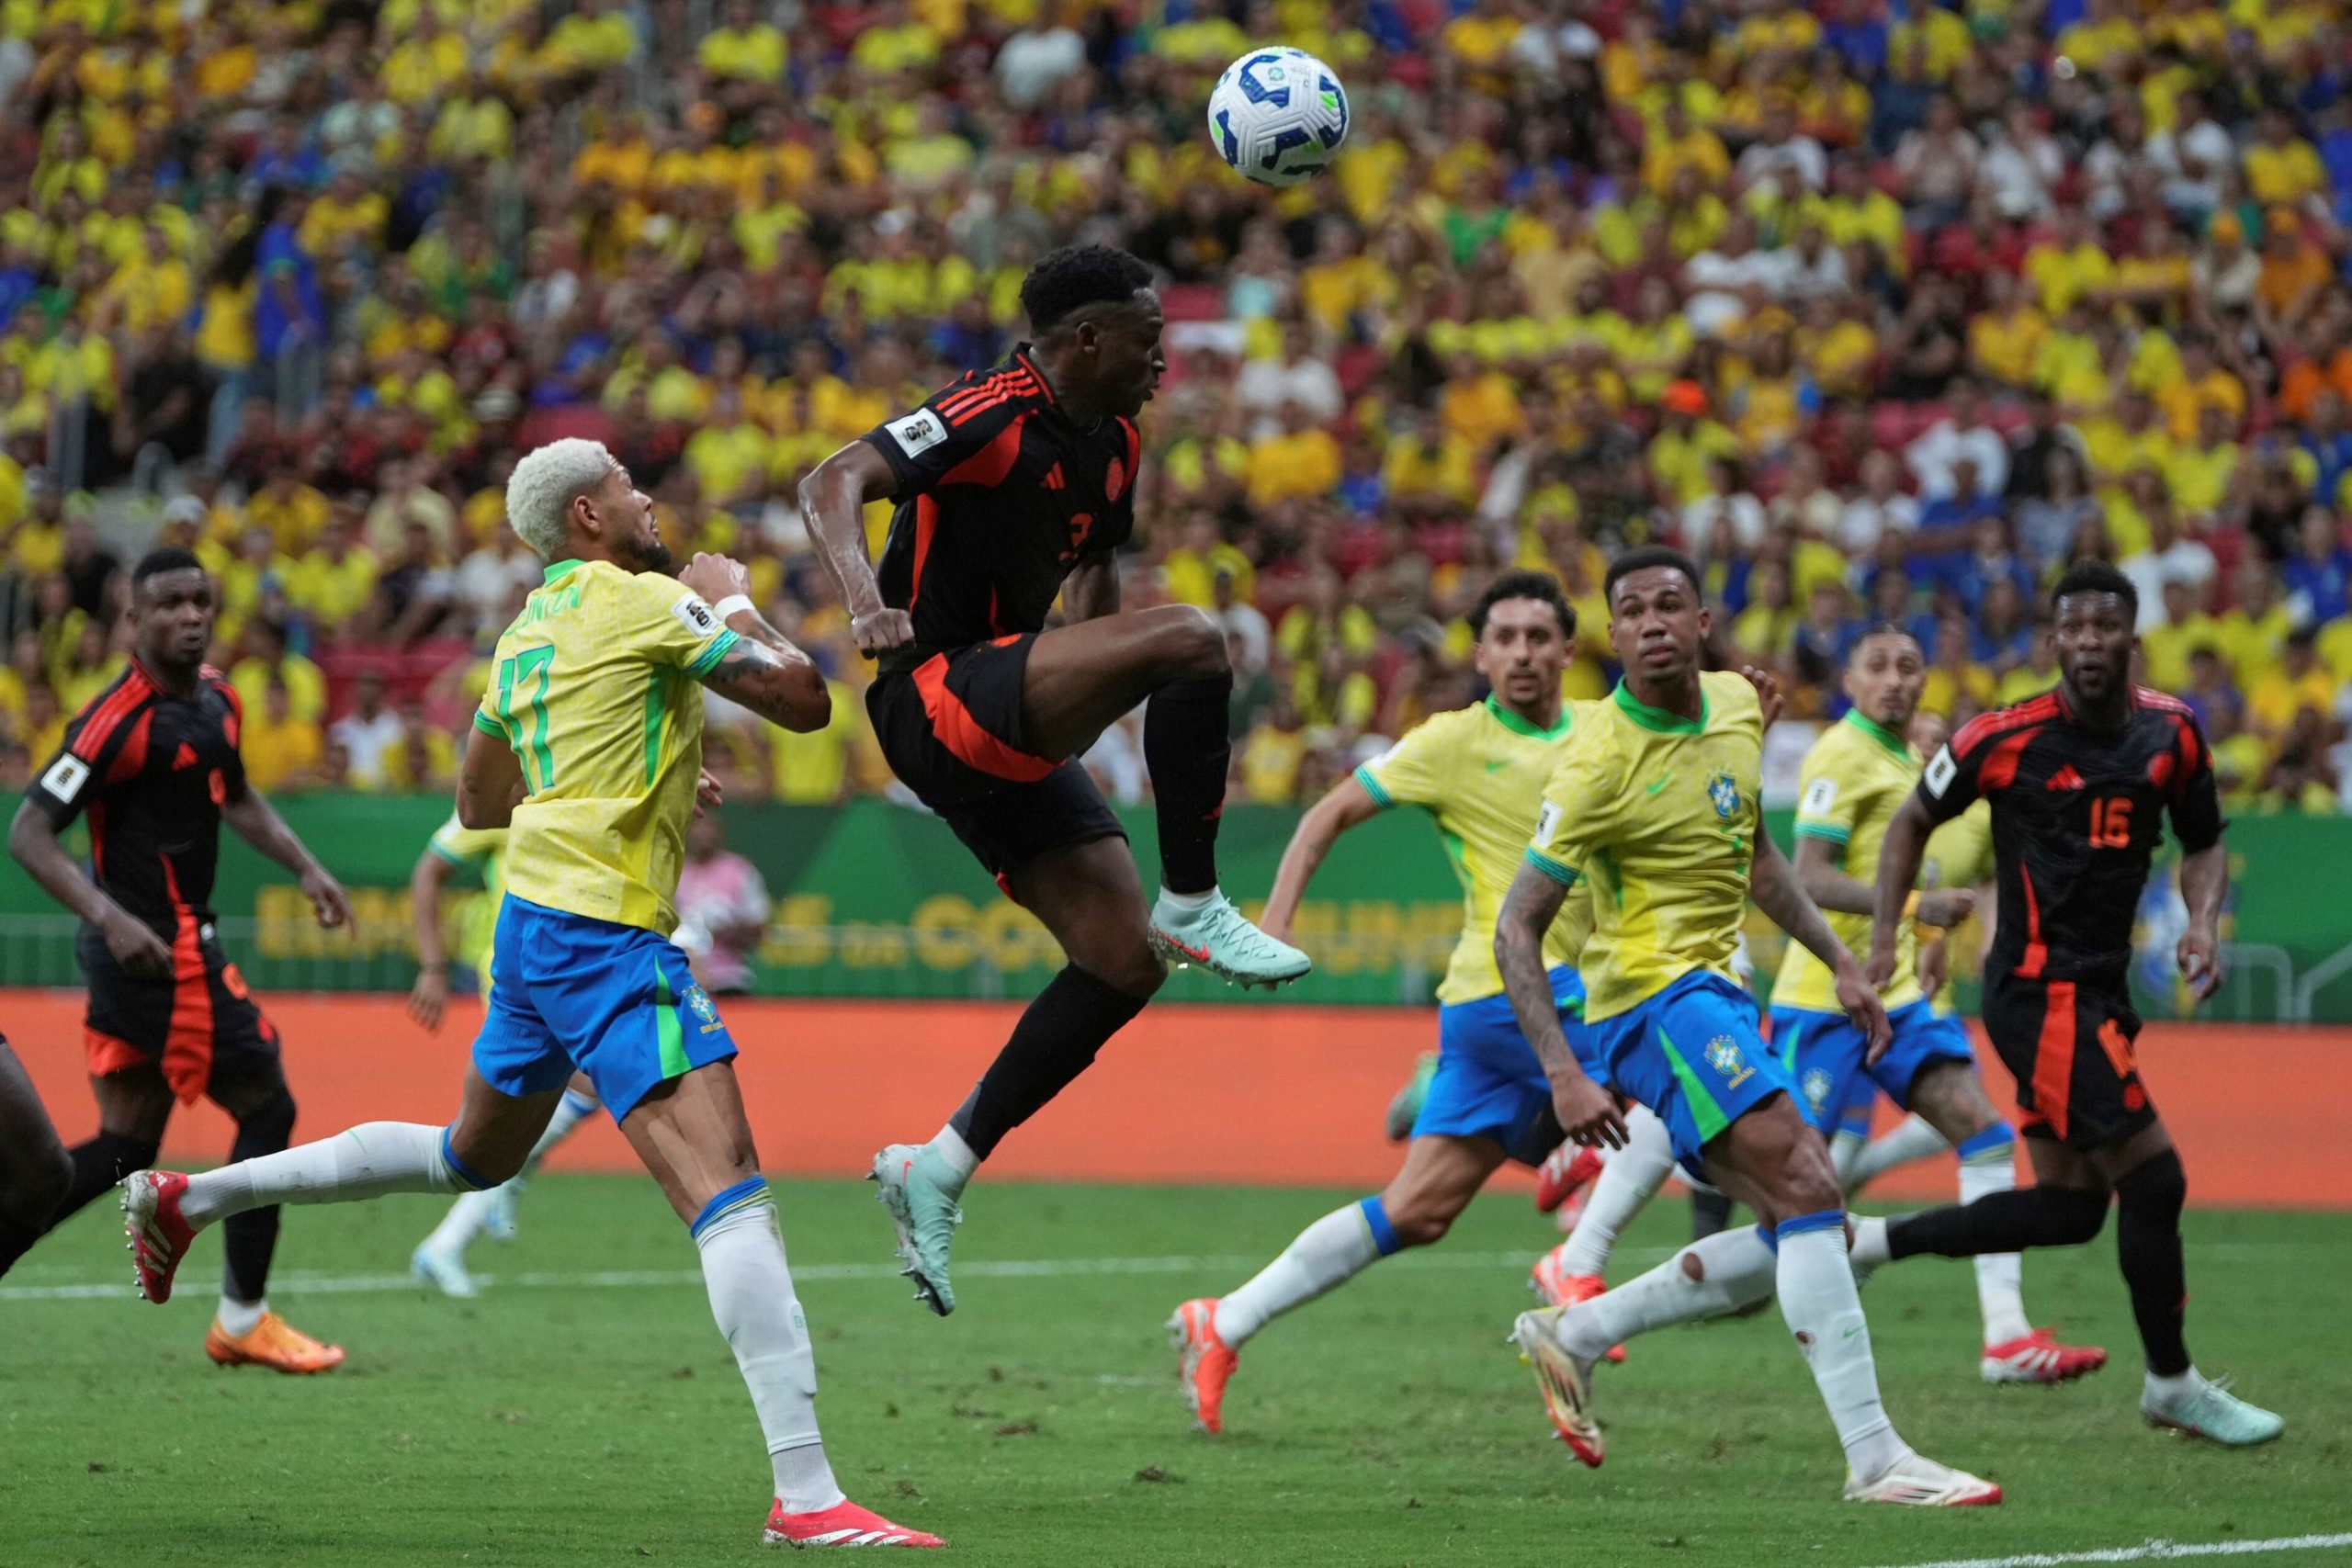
1655 803
440 1258
153 763
2079 780
1852 783
1480 770
1012 487
587 747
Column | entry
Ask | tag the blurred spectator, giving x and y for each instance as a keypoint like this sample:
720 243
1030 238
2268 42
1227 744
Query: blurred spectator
370 736
282 748
723 908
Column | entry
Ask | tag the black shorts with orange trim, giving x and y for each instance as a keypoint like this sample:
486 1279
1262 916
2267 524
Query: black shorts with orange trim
950 726
199 1022
2069 1043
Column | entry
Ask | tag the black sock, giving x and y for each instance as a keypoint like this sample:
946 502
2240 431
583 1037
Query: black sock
249 1240
2001 1222
16 1239
2147 1244
1186 750
98 1165
1055 1041
1710 1213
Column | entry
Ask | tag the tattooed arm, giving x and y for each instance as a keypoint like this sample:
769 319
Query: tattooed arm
1586 1113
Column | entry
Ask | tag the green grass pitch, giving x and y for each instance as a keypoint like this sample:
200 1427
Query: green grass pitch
564 1419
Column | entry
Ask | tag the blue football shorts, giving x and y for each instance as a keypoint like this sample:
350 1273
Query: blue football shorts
1488 1083
616 1002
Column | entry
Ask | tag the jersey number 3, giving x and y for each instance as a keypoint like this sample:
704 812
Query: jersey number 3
2111 823
528 669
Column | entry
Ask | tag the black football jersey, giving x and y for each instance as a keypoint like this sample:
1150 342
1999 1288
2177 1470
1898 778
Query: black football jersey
2076 817
999 495
152 770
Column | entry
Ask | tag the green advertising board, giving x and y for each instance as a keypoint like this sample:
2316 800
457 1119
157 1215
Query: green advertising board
874 899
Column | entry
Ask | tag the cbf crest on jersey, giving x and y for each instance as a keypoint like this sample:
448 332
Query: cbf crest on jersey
1724 790
1724 1055
698 1002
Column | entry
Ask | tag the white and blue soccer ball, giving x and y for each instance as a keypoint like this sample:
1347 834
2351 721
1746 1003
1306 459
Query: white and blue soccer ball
1278 116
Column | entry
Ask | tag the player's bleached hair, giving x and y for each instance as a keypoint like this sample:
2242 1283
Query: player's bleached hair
544 485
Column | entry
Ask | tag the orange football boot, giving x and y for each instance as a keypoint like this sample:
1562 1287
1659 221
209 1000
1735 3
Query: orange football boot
274 1343
1203 1361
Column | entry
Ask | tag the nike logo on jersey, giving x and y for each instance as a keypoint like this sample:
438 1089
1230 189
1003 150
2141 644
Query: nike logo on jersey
1659 785
2065 778
185 757
1498 767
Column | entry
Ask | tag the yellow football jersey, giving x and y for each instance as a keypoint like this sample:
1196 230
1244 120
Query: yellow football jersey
1959 855
1660 813
1853 780
483 851
593 687
1480 770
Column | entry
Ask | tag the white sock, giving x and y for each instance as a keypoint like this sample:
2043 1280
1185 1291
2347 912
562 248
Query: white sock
1331 1251
568 1112
752 1297
954 1157
1817 1298
367 1161
1735 1267
1846 1147
463 1222
241 1318
1999 1275
2154 1390
1189 900
1909 1139
1869 1248
1630 1179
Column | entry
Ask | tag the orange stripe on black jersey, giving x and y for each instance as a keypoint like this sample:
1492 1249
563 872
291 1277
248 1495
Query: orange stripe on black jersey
1025 386
108 712
956 405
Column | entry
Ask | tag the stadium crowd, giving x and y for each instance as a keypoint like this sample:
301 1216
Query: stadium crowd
1883 308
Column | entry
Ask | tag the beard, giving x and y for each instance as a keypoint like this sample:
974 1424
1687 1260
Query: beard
648 554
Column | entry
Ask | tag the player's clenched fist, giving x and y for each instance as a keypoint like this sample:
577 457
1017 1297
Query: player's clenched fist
879 631
716 576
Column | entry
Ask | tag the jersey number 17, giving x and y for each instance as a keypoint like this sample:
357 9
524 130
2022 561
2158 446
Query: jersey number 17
528 668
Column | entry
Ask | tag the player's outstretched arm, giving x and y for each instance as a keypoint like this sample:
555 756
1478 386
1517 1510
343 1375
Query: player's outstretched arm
1828 885
833 506
1899 855
1773 883
1347 806
256 821
764 671
489 781
32 839
429 998
1586 1113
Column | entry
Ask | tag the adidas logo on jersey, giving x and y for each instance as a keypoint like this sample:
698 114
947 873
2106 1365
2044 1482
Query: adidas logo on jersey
185 757
2064 778
1054 479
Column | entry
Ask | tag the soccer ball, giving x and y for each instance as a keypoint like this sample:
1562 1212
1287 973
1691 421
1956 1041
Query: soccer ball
1278 115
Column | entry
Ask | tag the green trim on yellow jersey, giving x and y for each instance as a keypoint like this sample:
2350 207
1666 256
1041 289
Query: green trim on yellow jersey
1371 787
721 647
1518 725
1879 732
488 725
561 569
1827 832
1658 719
1566 876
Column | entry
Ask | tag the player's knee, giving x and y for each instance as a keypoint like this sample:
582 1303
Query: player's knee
268 1127
1196 645
46 1182
1420 1223
2157 1186
1128 966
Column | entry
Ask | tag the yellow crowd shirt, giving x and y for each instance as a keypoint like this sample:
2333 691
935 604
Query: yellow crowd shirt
594 688
1659 814
1480 770
1853 780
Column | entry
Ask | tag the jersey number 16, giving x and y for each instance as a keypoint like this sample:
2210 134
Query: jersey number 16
2111 823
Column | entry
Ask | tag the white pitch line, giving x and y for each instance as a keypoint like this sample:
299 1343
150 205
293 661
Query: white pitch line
625 1279
2147 1551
